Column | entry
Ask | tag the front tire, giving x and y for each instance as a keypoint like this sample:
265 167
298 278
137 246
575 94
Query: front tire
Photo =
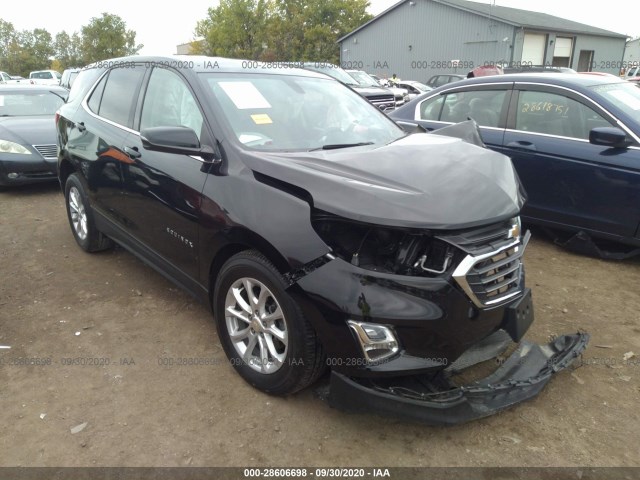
262 329
81 219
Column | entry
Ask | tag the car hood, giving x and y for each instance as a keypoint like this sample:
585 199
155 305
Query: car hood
372 90
420 181
32 130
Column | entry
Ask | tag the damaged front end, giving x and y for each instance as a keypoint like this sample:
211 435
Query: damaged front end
423 279
424 300
437 400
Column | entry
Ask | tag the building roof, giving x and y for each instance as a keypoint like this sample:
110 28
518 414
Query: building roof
512 16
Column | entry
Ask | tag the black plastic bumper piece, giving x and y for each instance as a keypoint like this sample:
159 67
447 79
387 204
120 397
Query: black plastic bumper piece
521 377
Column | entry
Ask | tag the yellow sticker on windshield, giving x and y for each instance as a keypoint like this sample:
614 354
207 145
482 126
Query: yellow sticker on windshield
261 118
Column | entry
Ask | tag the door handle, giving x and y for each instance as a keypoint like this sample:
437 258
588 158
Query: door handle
81 127
522 145
132 152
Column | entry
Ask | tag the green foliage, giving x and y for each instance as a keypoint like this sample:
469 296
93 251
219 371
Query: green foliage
107 37
235 28
24 51
68 50
284 30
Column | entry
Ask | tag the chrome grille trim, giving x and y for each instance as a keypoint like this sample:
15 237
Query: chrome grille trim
481 276
47 151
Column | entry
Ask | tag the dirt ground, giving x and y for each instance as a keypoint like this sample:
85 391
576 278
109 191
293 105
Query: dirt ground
132 408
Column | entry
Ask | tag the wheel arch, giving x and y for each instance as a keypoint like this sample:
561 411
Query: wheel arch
64 170
238 240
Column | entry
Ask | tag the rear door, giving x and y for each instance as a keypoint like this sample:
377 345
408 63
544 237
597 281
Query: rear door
486 104
569 181
97 137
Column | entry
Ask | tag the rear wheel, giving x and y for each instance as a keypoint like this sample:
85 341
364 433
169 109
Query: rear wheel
262 330
81 217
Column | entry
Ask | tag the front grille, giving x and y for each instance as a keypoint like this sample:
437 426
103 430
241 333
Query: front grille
490 272
495 279
381 98
383 102
47 151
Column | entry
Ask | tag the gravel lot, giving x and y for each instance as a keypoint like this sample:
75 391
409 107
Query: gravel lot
130 407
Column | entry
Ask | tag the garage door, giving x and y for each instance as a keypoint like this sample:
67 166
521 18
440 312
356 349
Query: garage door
533 48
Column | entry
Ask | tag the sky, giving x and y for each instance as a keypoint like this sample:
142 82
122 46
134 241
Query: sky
162 27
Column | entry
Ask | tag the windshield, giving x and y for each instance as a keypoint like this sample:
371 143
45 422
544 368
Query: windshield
623 95
420 86
24 104
290 113
363 79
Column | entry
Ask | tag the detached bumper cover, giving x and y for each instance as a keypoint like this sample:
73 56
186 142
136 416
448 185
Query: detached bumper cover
521 377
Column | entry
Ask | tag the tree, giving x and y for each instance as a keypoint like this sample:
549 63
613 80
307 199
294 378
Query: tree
25 51
68 50
107 37
8 48
235 28
285 30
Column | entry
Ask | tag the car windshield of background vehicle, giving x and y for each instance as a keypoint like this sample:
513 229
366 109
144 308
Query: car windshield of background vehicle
363 79
23 104
420 86
289 113
623 95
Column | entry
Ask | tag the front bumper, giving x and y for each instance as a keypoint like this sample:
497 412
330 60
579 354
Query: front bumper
521 377
32 169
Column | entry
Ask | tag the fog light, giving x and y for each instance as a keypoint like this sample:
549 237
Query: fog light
13 175
377 341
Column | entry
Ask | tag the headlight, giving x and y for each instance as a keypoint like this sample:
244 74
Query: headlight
12 147
383 249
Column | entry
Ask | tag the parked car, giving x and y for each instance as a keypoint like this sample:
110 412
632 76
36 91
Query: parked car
442 79
45 77
68 77
380 97
314 227
414 88
632 73
366 81
574 141
538 69
7 79
27 133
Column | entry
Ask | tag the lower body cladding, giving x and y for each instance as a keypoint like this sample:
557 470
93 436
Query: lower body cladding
396 343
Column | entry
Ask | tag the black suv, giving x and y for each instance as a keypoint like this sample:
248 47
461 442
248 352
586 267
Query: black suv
320 233
381 97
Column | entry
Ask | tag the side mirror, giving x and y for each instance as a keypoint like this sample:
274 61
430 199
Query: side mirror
611 137
179 140
411 127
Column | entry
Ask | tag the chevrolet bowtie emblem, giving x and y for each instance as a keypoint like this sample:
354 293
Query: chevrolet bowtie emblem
514 231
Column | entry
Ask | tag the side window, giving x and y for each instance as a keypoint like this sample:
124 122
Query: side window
96 96
484 106
118 99
554 114
169 103
430 108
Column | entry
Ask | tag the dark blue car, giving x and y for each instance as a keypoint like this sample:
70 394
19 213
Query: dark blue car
574 141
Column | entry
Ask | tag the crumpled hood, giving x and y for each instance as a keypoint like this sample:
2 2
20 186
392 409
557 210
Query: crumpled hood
31 130
421 181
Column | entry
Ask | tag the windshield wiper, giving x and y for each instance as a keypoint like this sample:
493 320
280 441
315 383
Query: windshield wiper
59 96
335 146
